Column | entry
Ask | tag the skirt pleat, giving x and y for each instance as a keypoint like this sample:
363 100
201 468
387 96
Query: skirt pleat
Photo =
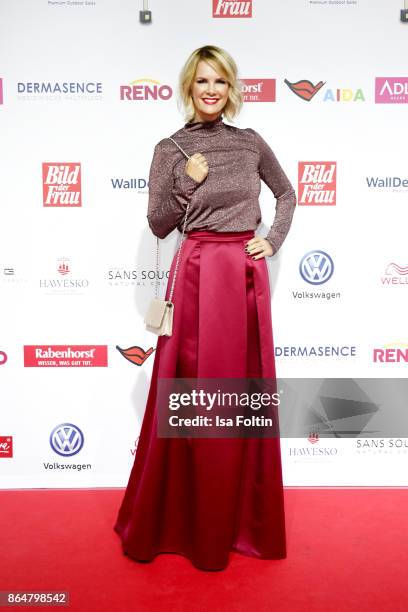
204 497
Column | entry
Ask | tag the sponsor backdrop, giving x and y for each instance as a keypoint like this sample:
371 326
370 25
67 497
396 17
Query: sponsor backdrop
86 91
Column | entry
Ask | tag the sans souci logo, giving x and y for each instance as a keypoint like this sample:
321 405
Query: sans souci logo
258 90
317 183
6 447
145 89
124 276
391 90
395 275
63 355
396 352
61 281
316 267
233 8
66 439
61 184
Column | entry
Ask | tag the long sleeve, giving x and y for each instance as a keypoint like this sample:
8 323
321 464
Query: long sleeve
273 175
168 194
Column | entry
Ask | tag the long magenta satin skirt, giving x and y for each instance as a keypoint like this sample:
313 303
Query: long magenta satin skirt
203 497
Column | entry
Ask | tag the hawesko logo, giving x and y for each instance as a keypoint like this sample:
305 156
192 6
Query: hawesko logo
62 184
317 183
3 358
145 89
316 267
235 8
66 439
259 90
1 91
6 447
391 90
82 356
391 355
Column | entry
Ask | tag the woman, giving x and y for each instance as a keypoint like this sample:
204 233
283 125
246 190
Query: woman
203 497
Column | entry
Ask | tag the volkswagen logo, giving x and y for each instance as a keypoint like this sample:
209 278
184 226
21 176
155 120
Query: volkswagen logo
66 439
316 267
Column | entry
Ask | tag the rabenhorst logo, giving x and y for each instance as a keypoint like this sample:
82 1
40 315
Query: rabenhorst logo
317 183
145 89
55 90
395 275
65 355
391 90
3 358
258 90
1 91
61 184
6 447
397 352
234 8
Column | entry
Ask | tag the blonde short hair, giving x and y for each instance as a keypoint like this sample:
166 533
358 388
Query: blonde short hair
221 61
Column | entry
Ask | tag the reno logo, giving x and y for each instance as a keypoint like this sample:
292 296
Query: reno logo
259 90
391 90
317 184
316 267
234 8
391 354
61 185
145 89
66 439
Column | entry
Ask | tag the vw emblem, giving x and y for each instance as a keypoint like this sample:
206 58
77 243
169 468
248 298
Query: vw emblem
66 439
316 267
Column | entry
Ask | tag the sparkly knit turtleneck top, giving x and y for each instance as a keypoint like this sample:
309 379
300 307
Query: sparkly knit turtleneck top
227 199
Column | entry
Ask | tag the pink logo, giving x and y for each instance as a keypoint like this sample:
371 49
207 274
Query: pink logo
234 8
64 355
317 183
3 357
6 447
61 184
259 90
391 90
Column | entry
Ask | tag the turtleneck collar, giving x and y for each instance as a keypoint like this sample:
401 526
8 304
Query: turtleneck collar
204 128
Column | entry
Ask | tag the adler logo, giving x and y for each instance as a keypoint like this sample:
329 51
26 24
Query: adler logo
235 8
61 184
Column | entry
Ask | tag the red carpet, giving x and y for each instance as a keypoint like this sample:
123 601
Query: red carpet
347 550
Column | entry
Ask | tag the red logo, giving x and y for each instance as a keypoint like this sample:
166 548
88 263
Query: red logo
235 8
135 354
317 183
3 357
71 355
313 437
6 447
259 90
62 184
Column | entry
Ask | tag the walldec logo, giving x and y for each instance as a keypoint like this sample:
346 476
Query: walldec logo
3 358
140 184
66 439
6 447
317 183
391 183
391 353
145 89
135 354
395 275
304 88
63 355
61 184
391 90
235 8
316 267
259 90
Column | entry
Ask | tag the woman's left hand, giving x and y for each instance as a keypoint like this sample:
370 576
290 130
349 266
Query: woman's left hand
259 247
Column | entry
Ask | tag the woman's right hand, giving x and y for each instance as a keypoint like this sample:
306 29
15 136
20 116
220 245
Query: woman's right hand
197 167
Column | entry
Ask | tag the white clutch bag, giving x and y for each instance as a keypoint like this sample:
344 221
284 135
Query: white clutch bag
159 316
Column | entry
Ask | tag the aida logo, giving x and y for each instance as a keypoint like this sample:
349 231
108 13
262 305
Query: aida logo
259 90
6 447
304 88
145 89
61 184
234 9
62 355
135 354
317 183
396 352
391 90
1 91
